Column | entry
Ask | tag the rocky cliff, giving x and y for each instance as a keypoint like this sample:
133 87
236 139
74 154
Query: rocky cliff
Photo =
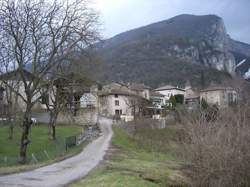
147 53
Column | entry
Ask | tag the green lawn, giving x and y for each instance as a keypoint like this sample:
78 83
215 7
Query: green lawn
40 143
133 165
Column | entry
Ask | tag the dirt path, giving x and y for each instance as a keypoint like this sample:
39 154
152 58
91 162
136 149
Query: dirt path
62 173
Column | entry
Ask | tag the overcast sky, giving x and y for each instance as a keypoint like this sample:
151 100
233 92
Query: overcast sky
121 15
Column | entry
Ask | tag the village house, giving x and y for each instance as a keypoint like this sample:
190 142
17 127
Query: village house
114 100
169 91
157 99
90 99
157 105
8 94
192 98
140 90
73 88
118 100
79 96
219 95
192 101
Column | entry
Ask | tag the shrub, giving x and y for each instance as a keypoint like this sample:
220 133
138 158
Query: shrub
219 149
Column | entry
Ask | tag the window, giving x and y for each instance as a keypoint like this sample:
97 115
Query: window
116 95
116 103
118 112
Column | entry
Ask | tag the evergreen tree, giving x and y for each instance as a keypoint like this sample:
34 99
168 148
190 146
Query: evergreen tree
173 101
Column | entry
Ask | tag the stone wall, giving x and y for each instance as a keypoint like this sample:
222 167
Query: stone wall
83 117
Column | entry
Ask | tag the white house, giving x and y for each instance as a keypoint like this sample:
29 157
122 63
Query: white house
90 99
119 100
157 99
169 91
116 102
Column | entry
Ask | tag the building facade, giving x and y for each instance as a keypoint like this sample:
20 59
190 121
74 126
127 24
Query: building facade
157 99
116 103
117 100
192 98
169 91
140 90
219 95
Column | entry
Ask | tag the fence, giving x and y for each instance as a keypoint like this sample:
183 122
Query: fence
60 149
44 155
36 157
70 142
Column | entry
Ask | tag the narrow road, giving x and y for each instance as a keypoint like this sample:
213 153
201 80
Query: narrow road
62 173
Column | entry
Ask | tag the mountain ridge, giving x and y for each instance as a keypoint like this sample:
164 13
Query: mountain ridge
194 40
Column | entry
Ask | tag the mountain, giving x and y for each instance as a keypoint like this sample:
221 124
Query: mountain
172 51
241 52
239 47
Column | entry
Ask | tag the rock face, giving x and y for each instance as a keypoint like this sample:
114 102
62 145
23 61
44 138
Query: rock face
194 40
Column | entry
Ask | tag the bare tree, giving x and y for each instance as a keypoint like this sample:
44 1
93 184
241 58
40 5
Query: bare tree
55 103
70 81
10 106
42 34
137 104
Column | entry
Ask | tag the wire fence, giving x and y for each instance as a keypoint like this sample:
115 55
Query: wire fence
44 155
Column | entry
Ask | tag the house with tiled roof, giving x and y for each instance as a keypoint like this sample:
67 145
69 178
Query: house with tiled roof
140 89
119 100
157 99
192 97
222 96
169 91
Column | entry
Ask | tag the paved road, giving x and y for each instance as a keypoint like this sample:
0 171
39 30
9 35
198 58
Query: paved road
62 173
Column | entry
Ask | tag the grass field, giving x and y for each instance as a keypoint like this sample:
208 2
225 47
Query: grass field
129 164
40 143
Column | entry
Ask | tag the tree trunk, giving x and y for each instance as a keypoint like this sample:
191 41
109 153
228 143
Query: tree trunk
10 121
54 132
25 134
52 125
11 131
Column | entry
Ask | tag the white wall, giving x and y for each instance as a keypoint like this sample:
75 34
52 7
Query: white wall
211 97
108 107
168 93
158 101
88 99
